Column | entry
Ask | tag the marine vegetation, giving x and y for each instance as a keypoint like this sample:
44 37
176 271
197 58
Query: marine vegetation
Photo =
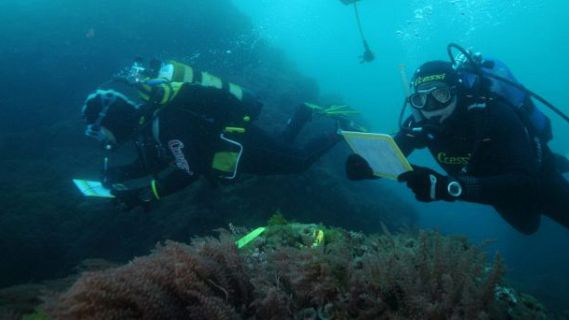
300 271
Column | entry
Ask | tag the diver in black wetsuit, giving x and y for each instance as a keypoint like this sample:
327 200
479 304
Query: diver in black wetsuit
184 130
485 147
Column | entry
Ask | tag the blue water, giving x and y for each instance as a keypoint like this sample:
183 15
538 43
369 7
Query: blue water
321 37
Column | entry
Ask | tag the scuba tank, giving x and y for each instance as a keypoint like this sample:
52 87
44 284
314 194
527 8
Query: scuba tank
487 78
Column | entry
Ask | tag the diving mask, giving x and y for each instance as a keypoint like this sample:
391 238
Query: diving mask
441 95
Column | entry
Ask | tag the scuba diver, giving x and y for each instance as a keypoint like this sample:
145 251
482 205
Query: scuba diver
368 55
186 124
485 132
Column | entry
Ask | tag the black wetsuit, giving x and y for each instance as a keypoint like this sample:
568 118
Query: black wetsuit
179 145
498 162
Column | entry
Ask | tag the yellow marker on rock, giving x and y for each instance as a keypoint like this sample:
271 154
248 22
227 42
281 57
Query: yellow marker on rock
249 237
318 238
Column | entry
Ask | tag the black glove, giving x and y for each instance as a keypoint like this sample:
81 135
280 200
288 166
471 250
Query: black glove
111 176
130 199
357 168
428 185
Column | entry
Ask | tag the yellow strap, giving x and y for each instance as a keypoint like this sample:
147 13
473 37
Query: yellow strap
144 92
185 73
154 189
176 86
167 94
171 90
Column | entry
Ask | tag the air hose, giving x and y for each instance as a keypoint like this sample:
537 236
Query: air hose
478 71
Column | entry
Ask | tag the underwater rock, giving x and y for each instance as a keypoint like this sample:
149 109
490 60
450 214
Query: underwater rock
401 276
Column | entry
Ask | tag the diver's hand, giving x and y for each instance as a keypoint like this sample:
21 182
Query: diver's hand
131 199
357 168
428 185
111 176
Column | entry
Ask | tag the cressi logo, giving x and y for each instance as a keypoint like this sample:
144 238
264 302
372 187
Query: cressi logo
434 77
444 158
176 147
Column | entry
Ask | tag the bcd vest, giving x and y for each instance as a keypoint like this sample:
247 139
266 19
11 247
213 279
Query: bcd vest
218 106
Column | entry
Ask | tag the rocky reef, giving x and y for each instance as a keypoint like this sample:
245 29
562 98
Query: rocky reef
299 271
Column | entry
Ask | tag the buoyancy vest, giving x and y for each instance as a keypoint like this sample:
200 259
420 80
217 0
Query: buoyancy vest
222 106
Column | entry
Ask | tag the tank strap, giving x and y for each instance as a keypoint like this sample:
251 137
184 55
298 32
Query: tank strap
185 73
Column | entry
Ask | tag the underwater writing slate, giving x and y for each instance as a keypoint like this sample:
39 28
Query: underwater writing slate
381 152
92 189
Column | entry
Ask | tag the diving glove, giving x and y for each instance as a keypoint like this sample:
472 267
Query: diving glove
130 199
428 185
357 168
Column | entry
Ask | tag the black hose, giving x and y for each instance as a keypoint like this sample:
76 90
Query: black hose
402 114
481 74
531 93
